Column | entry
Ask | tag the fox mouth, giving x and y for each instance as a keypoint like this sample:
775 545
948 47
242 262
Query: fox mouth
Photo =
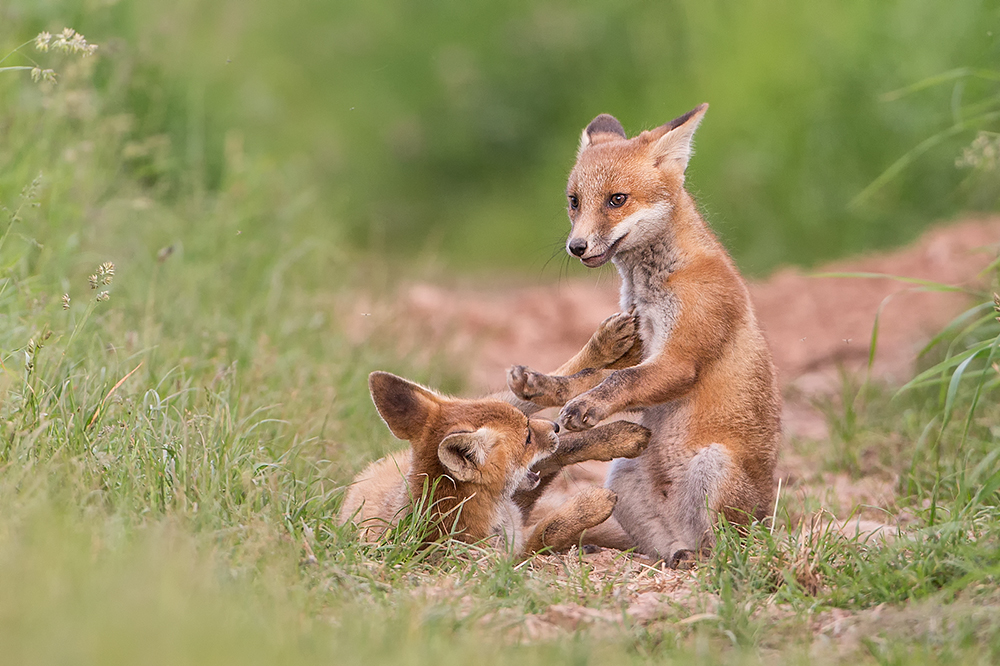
604 257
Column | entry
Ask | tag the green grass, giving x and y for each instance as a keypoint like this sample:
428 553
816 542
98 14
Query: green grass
167 454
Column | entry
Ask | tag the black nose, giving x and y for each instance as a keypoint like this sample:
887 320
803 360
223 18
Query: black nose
578 246
555 427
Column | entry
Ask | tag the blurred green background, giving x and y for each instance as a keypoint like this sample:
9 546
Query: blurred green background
445 129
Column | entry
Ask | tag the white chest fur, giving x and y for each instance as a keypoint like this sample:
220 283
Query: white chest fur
644 274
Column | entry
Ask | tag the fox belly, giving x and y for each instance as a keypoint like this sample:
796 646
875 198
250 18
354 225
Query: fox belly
669 497
655 490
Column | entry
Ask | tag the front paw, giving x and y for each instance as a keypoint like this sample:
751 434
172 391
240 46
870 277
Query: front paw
614 337
543 390
519 381
581 413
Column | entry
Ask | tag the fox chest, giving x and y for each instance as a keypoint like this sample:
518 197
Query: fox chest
657 308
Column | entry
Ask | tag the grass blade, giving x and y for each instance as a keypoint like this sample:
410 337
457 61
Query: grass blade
929 285
938 79
899 165
949 330
944 366
979 388
956 379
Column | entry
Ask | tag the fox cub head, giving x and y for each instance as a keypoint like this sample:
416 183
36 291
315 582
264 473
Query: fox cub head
622 191
486 444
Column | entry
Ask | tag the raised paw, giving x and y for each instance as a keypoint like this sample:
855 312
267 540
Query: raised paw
543 390
614 338
517 381
618 439
581 413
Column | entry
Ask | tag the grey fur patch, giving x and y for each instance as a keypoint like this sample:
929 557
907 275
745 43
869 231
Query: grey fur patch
644 272
705 473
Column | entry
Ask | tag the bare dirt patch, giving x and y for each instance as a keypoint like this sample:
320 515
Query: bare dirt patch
631 590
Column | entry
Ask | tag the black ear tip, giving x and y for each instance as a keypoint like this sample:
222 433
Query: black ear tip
606 124
677 122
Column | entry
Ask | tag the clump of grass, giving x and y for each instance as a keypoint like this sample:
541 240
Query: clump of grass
422 531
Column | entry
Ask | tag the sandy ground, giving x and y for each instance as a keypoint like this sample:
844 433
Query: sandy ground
817 327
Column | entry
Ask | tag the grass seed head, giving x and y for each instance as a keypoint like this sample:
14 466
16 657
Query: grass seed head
65 301
983 153
30 192
70 41
42 41
106 271
46 75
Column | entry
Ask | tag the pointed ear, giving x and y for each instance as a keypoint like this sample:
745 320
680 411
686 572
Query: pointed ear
404 406
673 147
463 453
601 129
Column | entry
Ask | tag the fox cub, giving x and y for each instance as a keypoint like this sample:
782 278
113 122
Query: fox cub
702 372
484 463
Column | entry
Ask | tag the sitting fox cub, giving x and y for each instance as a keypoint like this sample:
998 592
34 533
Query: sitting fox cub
703 374
486 462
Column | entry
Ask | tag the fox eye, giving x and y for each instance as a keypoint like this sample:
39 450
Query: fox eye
527 440
617 200
574 203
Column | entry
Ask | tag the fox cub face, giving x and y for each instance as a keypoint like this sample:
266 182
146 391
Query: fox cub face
486 446
621 191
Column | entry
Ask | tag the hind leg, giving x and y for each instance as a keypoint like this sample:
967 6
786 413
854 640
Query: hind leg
672 519
562 528
644 510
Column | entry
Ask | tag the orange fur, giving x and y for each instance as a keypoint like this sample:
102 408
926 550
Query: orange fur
705 379
469 460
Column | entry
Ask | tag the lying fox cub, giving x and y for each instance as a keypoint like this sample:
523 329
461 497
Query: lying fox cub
703 376
485 463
